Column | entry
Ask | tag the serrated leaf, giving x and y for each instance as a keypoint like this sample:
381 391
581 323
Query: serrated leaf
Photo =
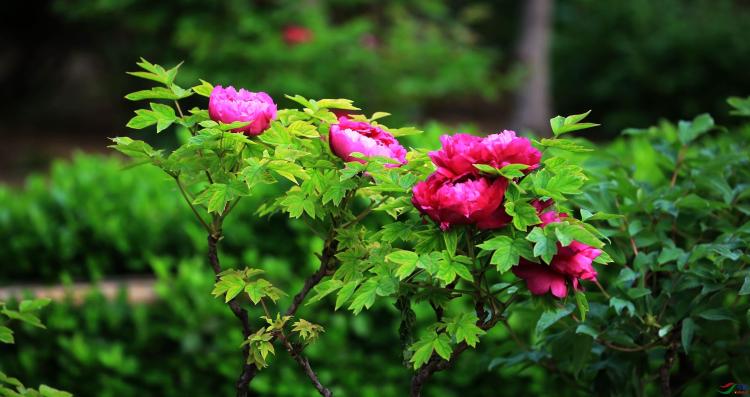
364 297
346 292
406 261
545 246
339 103
450 238
550 317
523 213
565 144
257 290
323 289
464 328
507 251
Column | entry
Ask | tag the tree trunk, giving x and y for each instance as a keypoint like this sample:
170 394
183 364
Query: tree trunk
532 107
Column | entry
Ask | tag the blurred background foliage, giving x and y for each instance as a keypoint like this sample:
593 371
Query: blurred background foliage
441 63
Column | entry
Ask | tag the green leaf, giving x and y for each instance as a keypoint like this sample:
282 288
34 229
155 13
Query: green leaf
256 290
204 89
323 289
295 203
583 304
545 246
6 335
346 292
587 330
561 125
442 346
230 284
303 129
550 317
27 318
448 270
406 261
422 352
33 305
215 196
511 171
687 131
507 251
307 330
47 391
745 289
565 144
688 330
464 327
717 315
620 304
567 233
524 214
154 93
364 296
451 241
142 119
340 103
741 106
379 115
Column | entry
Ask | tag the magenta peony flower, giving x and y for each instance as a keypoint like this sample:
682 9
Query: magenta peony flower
229 105
468 200
571 263
461 151
349 136
506 148
458 154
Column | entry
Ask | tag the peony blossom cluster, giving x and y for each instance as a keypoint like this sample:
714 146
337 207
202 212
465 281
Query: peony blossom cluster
348 137
457 193
229 105
570 264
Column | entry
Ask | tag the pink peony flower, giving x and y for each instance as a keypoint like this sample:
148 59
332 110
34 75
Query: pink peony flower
460 152
295 34
349 136
571 263
229 105
468 200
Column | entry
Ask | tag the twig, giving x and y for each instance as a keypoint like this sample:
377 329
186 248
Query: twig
190 203
598 284
305 364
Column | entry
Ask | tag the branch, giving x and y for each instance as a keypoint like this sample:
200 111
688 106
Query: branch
328 257
436 363
305 364
248 371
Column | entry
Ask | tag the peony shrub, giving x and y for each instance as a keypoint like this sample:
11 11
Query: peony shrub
468 225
